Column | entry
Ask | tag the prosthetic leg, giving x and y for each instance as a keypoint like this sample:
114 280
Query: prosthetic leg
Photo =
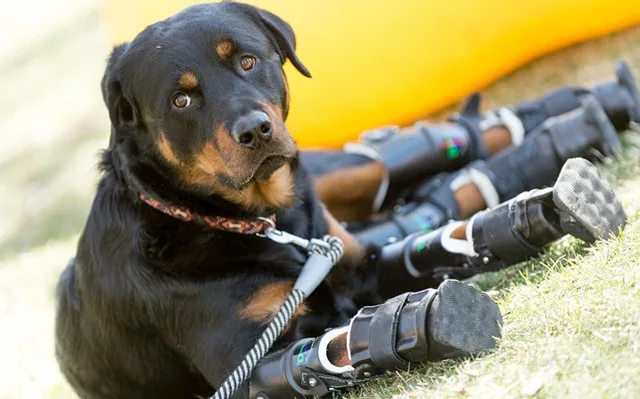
408 156
535 163
452 321
581 204
386 164
392 159
620 99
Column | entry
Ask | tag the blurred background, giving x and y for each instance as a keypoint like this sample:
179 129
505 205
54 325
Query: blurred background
53 124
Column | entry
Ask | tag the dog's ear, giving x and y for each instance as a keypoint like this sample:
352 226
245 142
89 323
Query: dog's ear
284 39
122 111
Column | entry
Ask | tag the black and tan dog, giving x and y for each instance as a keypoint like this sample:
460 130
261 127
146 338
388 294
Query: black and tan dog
156 307
172 283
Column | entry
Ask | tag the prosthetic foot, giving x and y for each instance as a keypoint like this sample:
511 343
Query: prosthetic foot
454 320
581 204
534 163
620 100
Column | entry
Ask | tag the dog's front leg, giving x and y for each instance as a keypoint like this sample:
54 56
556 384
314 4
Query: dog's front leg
354 277
214 325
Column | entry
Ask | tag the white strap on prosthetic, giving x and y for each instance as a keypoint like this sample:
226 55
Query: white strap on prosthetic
455 245
322 350
480 180
468 233
349 333
507 118
371 153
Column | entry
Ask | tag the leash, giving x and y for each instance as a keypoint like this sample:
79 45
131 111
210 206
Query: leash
323 255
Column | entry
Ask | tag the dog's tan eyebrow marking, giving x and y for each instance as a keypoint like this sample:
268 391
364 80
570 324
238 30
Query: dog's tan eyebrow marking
166 150
188 80
224 49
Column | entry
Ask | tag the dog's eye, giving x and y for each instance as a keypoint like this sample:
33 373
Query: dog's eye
247 62
181 100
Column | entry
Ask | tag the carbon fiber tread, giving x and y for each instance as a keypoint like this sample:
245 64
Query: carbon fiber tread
588 198
465 318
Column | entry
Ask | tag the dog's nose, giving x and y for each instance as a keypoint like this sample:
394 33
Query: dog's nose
253 129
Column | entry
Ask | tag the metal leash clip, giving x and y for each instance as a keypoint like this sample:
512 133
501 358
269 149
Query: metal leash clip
283 237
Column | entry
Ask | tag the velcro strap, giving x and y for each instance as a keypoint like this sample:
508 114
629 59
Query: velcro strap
437 191
560 101
383 334
517 215
470 118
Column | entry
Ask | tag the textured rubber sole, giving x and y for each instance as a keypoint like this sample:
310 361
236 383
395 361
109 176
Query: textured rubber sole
464 320
583 194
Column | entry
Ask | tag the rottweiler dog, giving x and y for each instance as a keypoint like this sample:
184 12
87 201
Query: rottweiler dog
157 303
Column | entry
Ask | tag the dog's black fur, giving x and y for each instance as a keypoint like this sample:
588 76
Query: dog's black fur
152 306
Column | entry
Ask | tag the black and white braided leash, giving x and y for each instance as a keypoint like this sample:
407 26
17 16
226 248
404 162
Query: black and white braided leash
323 255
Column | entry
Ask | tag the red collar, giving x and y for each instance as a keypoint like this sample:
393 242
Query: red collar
244 226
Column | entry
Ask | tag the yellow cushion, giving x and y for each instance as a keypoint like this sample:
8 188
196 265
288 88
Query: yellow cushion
380 62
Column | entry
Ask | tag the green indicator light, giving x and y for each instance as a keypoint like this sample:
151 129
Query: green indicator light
453 152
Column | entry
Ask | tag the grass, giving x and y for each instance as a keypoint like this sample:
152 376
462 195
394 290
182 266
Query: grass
572 316
572 327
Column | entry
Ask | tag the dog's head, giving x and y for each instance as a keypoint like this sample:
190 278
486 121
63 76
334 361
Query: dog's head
202 96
